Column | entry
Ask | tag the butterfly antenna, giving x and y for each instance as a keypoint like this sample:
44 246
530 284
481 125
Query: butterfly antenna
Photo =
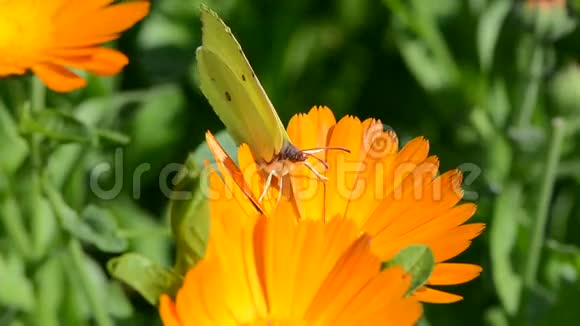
311 151
322 149
318 159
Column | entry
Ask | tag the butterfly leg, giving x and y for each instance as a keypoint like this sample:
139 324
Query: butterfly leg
281 182
268 183
320 176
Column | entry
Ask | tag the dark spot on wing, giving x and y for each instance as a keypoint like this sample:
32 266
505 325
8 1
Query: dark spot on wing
243 77
228 97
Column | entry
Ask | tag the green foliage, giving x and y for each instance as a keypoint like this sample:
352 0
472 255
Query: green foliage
417 261
147 277
493 84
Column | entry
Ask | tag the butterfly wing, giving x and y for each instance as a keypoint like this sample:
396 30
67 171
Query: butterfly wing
227 165
235 93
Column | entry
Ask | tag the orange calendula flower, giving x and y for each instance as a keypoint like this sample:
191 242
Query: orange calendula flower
282 270
395 196
48 37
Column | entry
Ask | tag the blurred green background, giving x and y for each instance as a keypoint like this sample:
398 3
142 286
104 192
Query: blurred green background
493 84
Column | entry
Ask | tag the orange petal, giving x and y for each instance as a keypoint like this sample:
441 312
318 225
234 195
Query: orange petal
384 293
306 132
423 204
380 149
232 243
106 62
297 259
319 116
97 23
58 78
168 312
63 53
453 273
6 70
415 177
101 61
340 287
429 295
343 167
410 159
446 221
453 242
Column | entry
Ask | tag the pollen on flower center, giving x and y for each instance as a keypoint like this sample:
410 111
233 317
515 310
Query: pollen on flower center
22 35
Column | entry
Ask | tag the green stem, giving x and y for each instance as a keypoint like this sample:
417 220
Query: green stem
37 94
97 306
37 103
532 89
547 187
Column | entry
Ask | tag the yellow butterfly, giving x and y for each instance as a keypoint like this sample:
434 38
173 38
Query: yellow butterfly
236 95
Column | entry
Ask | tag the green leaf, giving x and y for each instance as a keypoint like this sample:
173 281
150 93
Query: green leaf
417 260
436 10
189 216
426 53
87 283
104 111
17 290
159 113
496 317
145 234
488 29
43 225
503 234
498 161
145 276
118 303
482 123
75 308
97 226
64 161
59 126
102 231
14 148
562 266
429 73
498 103
563 90
49 284
11 221
36 211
